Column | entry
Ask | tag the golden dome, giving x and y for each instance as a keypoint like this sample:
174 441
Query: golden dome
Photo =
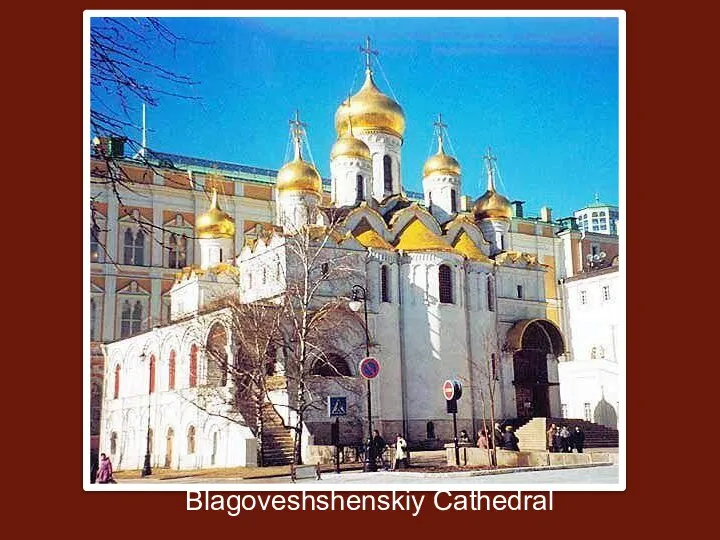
492 205
215 223
371 110
349 145
298 175
441 163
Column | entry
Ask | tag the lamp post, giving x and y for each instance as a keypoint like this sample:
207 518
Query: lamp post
359 295
147 469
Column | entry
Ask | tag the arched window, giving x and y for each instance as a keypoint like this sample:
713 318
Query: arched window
387 174
493 365
94 243
360 188
113 443
430 430
490 294
453 201
171 371
128 247
191 440
151 384
116 383
446 288
131 319
193 366
384 284
331 366
139 257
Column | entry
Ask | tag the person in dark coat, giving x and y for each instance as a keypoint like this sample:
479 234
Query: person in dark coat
497 438
578 439
379 446
510 440
557 440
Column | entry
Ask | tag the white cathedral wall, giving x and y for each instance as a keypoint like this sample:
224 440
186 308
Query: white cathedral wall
344 171
435 344
382 144
438 188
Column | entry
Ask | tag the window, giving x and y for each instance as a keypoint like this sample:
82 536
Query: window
387 174
193 366
113 443
116 383
602 214
325 269
595 249
191 440
445 279
134 248
130 318
494 367
128 247
453 201
430 430
606 292
588 412
519 291
594 214
151 384
490 294
93 320
177 251
171 371
563 410
332 366
384 284
95 243
360 188
583 297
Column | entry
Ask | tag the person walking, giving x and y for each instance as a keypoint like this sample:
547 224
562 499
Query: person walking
105 472
578 439
464 437
379 446
400 452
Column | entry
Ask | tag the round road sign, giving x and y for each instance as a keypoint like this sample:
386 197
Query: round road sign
369 367
451 390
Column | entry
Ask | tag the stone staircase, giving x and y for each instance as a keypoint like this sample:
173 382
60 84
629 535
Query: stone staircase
277 442
533 432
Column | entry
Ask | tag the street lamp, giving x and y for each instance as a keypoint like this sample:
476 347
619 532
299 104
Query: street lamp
147 469
359 295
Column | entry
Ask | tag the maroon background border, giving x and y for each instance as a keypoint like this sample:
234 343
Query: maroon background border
51 457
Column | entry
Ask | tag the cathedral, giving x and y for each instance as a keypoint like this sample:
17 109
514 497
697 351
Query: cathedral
447 291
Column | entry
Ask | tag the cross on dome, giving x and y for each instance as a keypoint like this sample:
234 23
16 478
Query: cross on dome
368 53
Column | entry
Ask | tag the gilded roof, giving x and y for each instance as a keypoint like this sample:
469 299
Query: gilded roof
417 237
215 223
467 247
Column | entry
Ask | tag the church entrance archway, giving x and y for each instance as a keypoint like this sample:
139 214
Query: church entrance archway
531 341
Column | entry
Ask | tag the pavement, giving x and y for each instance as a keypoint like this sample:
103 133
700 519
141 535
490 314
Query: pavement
595 474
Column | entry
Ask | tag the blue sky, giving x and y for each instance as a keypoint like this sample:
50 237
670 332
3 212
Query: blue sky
542 92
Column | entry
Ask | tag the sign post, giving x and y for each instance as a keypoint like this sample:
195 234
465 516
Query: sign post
452 391
369 368
337 407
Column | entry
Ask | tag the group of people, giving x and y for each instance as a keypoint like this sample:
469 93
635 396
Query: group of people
561 439
378 445
500 439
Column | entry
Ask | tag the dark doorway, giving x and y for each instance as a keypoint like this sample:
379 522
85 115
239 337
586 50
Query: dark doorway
539 339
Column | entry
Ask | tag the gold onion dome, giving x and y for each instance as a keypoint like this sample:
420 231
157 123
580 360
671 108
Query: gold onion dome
349 146
298 175
441 163
371 111
492 205
215 223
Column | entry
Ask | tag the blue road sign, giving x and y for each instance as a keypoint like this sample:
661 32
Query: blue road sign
337 406
369 367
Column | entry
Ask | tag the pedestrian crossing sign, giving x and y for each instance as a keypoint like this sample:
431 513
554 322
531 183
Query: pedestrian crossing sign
337 406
